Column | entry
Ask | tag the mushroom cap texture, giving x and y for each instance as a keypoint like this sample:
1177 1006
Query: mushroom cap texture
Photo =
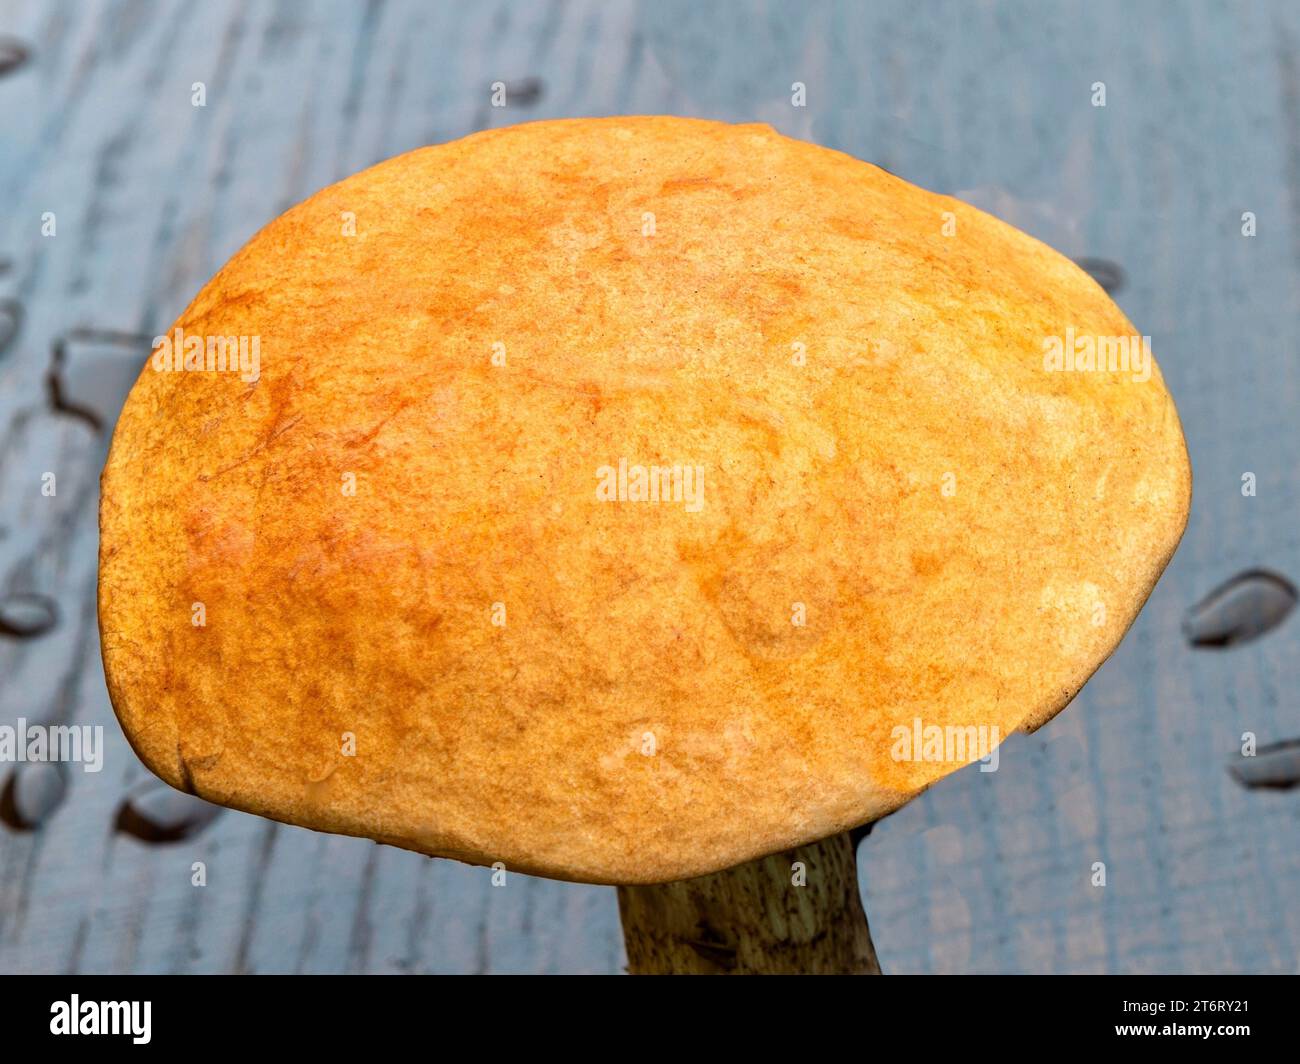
401 534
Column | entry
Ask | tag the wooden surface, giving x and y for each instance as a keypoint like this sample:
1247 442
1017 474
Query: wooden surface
985 872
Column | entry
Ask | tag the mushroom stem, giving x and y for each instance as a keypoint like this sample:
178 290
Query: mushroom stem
754 919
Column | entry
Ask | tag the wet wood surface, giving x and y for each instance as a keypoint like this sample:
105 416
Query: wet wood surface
150 194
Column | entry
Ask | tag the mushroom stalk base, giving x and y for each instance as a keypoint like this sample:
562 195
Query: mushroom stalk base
754 919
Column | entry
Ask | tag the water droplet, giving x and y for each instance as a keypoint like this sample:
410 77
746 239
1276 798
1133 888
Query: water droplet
1106 273
1244 608
158 813
32 793
1274 767
13 54
11 320
524 92
26 615
92 370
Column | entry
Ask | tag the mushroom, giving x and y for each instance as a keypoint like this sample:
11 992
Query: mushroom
643 501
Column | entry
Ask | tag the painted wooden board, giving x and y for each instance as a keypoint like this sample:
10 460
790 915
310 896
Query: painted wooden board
985 872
